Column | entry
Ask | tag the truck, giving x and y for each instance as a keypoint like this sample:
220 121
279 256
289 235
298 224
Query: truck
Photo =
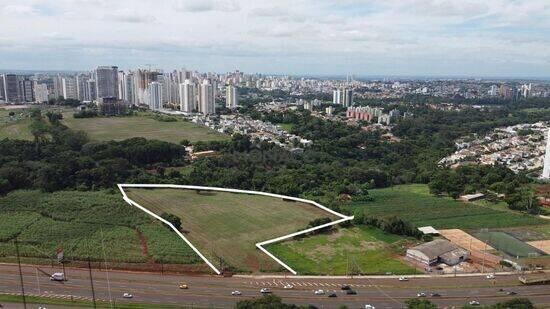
57 277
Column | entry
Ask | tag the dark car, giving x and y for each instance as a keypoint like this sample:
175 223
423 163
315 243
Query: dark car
345 287
351 292
332 295
511 293
435 295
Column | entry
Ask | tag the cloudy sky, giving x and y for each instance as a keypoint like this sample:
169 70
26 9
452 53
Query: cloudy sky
362 37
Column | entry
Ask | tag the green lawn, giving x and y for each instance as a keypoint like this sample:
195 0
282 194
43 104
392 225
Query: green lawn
508 244
286 126
120 128
15 127
414 203
228 225
83 223
348 250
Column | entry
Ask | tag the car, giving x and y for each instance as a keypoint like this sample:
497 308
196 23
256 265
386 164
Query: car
236 293
367 306
183 286
288 287
345 287
351 292
435 295
319 292
265 290
403 279
332 295
490 276
511 293
474 303
127 295
420 294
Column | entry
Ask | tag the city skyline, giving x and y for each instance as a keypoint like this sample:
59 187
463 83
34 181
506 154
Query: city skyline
497 38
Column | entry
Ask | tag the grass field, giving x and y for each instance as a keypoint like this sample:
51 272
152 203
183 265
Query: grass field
83 223
510 245
356 250
414 203
228 225
15 127
120 128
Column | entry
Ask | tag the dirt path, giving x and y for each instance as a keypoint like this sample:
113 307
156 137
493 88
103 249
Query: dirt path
144 248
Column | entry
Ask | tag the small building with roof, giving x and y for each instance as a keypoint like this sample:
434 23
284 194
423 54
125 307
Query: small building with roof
438 251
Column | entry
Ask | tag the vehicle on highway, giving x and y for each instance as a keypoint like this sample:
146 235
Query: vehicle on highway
127 295
403 279
367 306
319 292
183 286
490 276
435 295
57 277
332 295
511 293
420 294
351 292
345 287
236 293
265 290
474 303
288 287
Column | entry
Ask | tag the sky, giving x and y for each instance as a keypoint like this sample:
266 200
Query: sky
497 38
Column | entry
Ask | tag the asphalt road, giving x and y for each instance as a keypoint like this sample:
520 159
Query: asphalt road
210 291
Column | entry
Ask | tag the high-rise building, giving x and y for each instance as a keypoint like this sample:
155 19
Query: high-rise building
130 89
348 98
41 93
121 87
11 88
106 78
187 96
155 96
207 105
69 88
546 169
2 94
231 96
25 89
336 96
82 92
92 88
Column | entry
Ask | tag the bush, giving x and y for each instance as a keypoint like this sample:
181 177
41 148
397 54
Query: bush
173 219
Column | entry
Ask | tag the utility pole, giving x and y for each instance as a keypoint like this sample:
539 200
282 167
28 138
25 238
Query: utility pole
91 281
20 274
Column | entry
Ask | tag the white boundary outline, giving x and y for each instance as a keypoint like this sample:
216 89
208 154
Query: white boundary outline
259 245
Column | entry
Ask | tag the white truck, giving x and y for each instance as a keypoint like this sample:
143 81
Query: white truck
57 277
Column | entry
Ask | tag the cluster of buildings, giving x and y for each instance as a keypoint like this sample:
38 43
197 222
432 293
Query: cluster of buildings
371 114
520 148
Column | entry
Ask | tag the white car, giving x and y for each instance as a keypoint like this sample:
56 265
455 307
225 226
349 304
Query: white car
421 294
474 303
367 306
288 287
490 276
265 290
127 295
403 279
319 292
236 293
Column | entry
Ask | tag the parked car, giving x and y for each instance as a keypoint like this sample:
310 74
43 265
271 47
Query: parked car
288 287
236 293
319 292
490 276
435 295
345 287
265 290
183 286
351 292
367 306
474 303
57 277
127 295
511 293
420 294
332 295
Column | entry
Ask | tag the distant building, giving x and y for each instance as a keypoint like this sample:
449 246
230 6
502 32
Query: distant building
231 96
546 169
11 88
348 98
106 78
187 96
471 197
41 93
207 105
155 96
111 106
337 96
69 88
438 251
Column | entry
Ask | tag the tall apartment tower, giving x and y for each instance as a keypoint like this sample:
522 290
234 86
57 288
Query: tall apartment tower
155 96
207 105
187 96
106 78
69 88
11 88
546 169
348 98
231 96
336 96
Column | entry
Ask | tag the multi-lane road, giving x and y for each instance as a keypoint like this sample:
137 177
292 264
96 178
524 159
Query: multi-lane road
211 291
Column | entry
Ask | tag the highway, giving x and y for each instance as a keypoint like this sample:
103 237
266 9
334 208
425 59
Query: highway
213 291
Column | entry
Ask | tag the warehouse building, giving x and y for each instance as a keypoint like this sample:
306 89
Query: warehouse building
438 251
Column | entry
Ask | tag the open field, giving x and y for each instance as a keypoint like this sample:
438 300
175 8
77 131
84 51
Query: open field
344 251
508 244
228 225
465 240
14 127
120 128
415 204
86 225
543 245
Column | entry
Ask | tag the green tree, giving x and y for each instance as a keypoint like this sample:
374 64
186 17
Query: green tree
415 303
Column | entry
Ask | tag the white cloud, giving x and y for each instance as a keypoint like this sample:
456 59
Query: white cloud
207 5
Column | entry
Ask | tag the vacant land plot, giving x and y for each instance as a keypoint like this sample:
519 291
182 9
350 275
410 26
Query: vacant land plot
415 204
508 244
357 250
120 128
15 126
465 240
93 225
226 226
543 245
